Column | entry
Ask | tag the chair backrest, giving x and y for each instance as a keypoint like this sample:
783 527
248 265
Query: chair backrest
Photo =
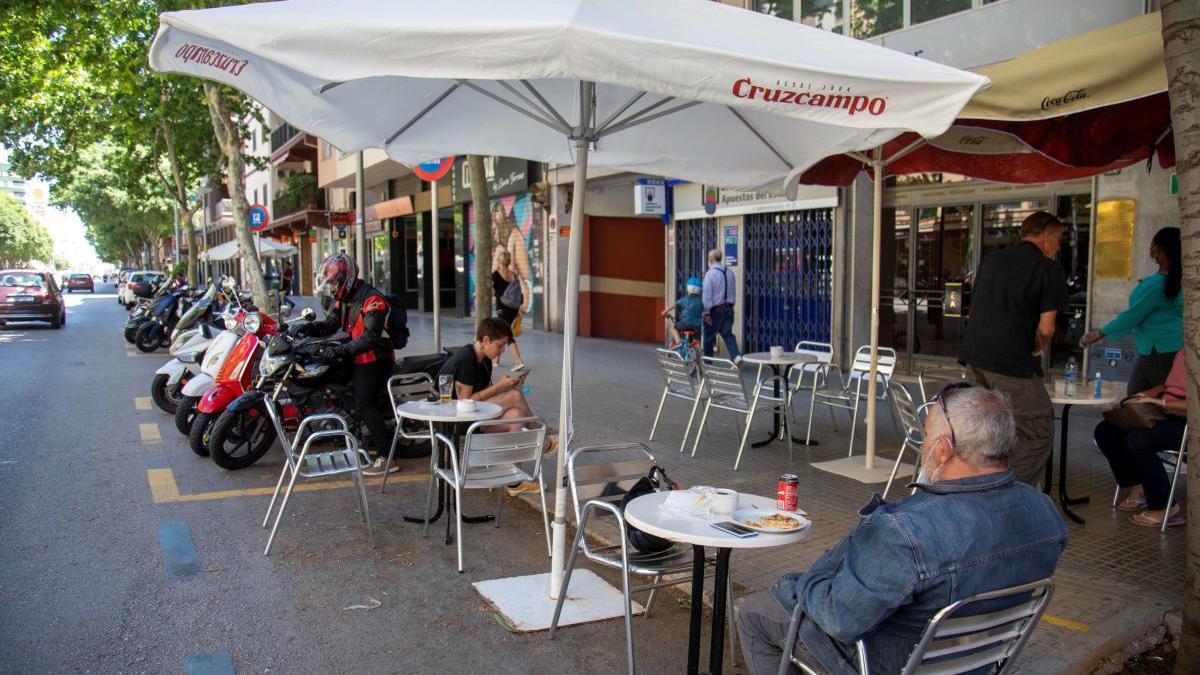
821 351
483 448
956 641
409 387
910 415
886 363
681 376
606 472
724 383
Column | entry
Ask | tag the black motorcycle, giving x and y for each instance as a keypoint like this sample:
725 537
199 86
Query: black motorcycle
164 315
297 379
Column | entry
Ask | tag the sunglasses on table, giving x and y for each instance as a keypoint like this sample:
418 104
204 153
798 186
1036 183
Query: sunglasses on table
941 399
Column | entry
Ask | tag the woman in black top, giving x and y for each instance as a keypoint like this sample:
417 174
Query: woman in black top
502 277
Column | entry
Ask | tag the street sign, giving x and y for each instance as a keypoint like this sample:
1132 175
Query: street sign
258 217
342 218
434 169
650 197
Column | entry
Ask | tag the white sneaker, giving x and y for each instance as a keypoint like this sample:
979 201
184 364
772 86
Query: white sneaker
376 468
737 360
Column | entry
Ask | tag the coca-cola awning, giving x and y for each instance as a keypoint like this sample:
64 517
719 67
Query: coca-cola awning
683 88
1078 107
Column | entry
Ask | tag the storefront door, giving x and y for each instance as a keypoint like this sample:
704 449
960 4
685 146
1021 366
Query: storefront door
788 272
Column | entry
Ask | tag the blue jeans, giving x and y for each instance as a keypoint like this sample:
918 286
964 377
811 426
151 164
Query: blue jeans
721 323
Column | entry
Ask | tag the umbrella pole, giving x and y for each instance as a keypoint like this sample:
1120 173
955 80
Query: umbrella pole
876 244
566 422
437 270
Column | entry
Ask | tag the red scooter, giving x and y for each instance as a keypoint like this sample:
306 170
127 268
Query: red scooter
233 379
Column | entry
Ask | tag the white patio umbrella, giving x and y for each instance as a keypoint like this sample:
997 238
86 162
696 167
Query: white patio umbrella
266 249
683 88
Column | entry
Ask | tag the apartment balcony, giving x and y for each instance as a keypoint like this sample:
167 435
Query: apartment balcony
220 212
291 148
291 213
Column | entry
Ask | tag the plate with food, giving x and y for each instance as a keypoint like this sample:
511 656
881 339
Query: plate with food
770 520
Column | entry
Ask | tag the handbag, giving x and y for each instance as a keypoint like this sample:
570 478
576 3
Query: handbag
1131 414
516 326
512 297
655 480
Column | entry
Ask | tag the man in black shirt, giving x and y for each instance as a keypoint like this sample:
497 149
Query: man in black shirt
1015 300
471 367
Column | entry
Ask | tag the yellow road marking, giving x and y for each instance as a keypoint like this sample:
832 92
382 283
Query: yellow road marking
165 490
1064 623
149 432
142 402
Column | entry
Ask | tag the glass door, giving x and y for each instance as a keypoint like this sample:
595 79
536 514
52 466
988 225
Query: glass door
943 254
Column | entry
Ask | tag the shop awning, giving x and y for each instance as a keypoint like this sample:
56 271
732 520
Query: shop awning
267 248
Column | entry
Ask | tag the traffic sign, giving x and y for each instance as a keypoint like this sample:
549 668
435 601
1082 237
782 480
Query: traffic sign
342 218
258 217
434 169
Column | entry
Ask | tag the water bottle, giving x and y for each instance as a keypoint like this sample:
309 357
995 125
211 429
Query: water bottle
1098 392
1072 377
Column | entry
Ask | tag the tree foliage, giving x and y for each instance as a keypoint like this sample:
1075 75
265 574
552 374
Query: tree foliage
22 238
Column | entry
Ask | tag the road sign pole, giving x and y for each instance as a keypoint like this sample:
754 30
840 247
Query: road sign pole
437 268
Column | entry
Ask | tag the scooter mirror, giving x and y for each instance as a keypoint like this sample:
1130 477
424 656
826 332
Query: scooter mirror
286 311
308 314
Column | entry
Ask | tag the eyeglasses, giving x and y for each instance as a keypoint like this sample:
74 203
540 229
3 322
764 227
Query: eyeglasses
941 399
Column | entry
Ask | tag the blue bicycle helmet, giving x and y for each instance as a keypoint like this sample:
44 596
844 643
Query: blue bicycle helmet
693 285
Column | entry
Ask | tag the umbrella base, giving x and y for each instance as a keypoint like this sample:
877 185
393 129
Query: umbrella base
854 468
526 606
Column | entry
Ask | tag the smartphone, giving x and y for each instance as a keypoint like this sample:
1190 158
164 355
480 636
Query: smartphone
734 529
518 369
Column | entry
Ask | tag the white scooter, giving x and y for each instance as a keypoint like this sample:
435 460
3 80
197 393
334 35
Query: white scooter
188 348
210 366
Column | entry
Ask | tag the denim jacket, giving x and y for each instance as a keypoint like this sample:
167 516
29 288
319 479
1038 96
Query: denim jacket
907 560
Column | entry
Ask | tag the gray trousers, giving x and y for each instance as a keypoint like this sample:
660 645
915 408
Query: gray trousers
762 626
1034 415
1150 370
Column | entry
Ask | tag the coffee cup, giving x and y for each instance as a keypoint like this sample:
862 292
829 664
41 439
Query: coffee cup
724 502
776 352
466 405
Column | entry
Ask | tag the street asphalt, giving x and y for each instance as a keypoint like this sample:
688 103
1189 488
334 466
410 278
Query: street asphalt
99 575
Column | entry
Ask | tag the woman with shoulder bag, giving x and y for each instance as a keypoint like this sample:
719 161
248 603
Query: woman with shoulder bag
1133 453
502 278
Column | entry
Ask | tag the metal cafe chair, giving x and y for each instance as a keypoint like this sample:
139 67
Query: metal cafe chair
819 369
402 388
682 379
599 477
1175 459
912 420
490 461
955 643
853 389
348 458
726 390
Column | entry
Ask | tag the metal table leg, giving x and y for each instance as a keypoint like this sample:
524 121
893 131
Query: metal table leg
780 426
716 649
443 500
1066 501
697 610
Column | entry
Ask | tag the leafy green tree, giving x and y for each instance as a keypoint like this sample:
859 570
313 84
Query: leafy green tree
22 239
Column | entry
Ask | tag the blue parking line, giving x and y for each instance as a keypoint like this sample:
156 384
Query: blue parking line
179 552
209 663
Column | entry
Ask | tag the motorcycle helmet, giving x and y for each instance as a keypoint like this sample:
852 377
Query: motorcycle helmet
693 285
336 276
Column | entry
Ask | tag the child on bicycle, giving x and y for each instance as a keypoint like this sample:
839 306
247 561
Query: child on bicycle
688 312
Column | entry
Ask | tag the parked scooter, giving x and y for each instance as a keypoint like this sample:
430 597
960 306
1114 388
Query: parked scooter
188 348
210 366
164 316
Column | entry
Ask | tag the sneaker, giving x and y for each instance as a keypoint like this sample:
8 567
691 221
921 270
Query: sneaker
737 360
376 467
518 488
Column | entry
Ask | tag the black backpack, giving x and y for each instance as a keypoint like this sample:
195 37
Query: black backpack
397 321
655 480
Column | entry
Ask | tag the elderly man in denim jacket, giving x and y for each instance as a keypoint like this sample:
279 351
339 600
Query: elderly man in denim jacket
969 528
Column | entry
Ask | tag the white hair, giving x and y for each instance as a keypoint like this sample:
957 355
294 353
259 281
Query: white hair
984 429
715 255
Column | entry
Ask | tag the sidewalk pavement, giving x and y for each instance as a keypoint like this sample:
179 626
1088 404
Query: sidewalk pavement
1114 582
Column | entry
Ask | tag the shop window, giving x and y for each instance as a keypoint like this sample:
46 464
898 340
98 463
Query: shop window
780 8
926 10
869 18
823 14
1002 223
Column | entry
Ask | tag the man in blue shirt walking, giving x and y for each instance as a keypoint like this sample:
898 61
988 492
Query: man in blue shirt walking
720 290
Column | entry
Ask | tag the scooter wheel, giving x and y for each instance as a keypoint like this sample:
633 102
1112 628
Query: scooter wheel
148 337
200 428
240 438
130 333
185 413
160 392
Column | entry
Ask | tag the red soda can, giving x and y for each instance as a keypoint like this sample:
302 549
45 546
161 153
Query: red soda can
787 497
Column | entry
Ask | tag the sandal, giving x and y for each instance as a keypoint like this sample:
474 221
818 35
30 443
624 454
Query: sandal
1146 521
1132 505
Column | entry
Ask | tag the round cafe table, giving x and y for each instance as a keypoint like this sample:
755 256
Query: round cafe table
1111 392
444 414
787 360
645 514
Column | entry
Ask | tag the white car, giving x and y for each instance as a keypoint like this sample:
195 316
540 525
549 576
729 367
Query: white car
141 284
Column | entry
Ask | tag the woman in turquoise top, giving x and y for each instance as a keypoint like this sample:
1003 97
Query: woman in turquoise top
1154 316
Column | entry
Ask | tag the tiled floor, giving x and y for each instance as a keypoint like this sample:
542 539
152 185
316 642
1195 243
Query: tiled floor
1113 576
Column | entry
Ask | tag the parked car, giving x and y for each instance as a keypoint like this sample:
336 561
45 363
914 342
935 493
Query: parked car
140 285
79 282
28 295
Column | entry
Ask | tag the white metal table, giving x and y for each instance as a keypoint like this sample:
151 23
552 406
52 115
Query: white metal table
645 514
445 413
787 361
1111 392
